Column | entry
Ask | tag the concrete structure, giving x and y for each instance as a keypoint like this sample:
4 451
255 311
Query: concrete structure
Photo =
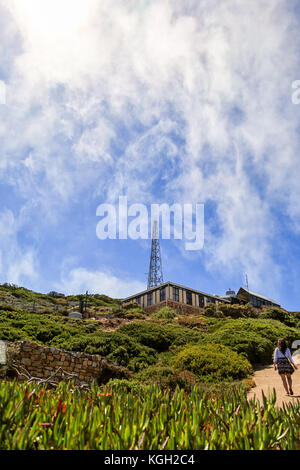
180 298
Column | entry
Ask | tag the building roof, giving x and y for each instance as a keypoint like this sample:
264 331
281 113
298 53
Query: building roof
176 285
257 295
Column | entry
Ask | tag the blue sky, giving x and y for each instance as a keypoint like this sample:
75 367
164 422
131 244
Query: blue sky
161 102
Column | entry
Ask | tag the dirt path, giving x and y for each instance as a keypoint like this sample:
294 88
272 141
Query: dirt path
267 379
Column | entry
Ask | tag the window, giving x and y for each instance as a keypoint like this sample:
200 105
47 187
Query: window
189 300
176 294
210 300
138 299
149 298
162 295
201 300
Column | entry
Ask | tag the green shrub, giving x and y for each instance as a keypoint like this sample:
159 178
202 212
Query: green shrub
125 385
228 310
149 334
212 362
8 333
212 311
135 313
117 347
159 337
279 314
167 377
129 313
130 305
165 313
77 335
255 347
189 321
254 337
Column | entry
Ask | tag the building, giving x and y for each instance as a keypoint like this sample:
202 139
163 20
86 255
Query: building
180 298
188 301
254 299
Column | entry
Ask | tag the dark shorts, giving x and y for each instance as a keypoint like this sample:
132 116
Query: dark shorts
284 367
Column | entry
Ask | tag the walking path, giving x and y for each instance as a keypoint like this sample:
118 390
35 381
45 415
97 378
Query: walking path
266 379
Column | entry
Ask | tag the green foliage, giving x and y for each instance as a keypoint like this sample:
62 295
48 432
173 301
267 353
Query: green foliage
33 417
95 300
159 337
125 385
256 348
167 377
129 313
165 313
190 321
212 362
255 338
76 335
228 310
279 314
22 293
134 313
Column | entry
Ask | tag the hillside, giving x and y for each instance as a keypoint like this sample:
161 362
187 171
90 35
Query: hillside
218 347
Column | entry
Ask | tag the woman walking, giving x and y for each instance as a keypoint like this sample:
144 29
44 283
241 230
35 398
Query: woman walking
283 361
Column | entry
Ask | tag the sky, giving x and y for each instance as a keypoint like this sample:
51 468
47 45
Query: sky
161 101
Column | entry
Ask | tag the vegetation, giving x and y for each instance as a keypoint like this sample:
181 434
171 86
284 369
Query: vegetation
212 362
187 390
165 313
113 418
19 298
170 349
233 311
159 337
281 315
255 338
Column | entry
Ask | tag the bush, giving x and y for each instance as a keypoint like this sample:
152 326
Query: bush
117 347
256 348
212 311
254 337
77 335
165 313
125 385
129 313
279 314
228 310
192 321
212 362
7 333
149 334
159 337
135 313
167 377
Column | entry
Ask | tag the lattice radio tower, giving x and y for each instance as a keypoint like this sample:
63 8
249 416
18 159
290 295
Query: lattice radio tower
155 276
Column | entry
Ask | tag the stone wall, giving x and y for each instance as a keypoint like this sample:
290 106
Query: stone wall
42 361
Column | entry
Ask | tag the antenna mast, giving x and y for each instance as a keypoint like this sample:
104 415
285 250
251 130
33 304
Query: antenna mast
247 285
155 276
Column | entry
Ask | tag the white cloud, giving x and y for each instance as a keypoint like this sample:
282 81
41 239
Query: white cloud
81 280
17 265
197 90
